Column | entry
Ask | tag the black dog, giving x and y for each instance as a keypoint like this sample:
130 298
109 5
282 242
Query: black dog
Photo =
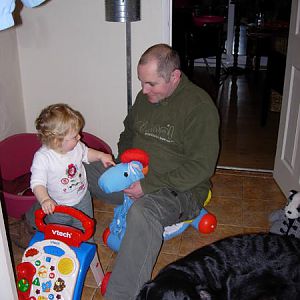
246 267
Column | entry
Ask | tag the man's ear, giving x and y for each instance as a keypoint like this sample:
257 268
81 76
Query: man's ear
176 74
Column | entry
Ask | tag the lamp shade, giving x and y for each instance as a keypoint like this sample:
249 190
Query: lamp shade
122 10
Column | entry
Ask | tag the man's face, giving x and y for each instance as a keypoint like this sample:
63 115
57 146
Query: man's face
155 87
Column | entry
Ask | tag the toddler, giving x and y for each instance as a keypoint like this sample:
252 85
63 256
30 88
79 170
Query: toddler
58 176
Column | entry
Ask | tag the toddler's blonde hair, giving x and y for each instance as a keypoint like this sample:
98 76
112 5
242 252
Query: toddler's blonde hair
55 122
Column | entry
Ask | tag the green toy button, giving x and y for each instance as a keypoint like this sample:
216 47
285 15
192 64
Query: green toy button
36 282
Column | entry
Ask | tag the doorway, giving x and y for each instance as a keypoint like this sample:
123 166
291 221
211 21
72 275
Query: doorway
246 144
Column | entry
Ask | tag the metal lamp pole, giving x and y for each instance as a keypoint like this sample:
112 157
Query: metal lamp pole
125 11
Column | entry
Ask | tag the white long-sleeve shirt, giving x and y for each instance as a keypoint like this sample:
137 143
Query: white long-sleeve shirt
63 175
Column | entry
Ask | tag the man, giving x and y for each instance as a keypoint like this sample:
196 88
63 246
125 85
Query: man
177 123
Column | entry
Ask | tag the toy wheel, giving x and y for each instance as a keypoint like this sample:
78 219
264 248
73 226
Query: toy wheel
208 223
104 283
105 235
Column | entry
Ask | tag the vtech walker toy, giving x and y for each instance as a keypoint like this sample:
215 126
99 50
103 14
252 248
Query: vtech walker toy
57 259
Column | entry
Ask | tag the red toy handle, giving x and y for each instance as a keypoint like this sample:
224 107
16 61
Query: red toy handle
25 273
70 235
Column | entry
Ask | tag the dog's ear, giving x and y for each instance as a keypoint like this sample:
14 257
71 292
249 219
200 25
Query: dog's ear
142 294
145 291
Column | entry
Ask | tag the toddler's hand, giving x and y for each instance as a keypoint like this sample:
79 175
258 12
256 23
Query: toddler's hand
48 206
107 160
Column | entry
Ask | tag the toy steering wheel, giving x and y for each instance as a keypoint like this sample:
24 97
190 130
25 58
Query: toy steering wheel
67 234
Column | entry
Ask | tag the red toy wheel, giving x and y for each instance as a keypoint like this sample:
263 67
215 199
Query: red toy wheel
208 223
105 235
105 283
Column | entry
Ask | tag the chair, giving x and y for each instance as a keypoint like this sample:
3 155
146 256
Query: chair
205 39
16 154
198 36
95 142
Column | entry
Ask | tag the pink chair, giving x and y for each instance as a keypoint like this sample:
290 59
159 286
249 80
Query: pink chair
94 142
16 154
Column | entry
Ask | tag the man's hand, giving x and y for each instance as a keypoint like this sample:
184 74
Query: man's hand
134 191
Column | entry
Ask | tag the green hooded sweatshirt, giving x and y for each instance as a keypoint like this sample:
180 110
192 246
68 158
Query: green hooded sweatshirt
180 134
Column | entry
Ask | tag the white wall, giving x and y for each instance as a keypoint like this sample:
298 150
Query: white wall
66 51
69 53
12 119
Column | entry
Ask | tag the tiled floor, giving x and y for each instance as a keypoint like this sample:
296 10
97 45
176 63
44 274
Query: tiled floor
241 202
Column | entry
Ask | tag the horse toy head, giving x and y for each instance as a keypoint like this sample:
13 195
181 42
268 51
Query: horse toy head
133 167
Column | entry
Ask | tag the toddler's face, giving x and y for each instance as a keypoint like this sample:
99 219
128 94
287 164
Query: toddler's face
70 141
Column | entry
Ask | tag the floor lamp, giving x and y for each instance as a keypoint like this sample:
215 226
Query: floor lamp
125 11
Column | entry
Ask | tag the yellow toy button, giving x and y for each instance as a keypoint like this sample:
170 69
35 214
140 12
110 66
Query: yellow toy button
65 266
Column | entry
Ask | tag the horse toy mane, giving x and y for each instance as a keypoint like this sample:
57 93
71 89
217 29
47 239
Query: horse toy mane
133 167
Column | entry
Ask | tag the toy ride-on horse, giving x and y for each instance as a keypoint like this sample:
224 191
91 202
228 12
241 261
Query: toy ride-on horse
133 167
57 259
